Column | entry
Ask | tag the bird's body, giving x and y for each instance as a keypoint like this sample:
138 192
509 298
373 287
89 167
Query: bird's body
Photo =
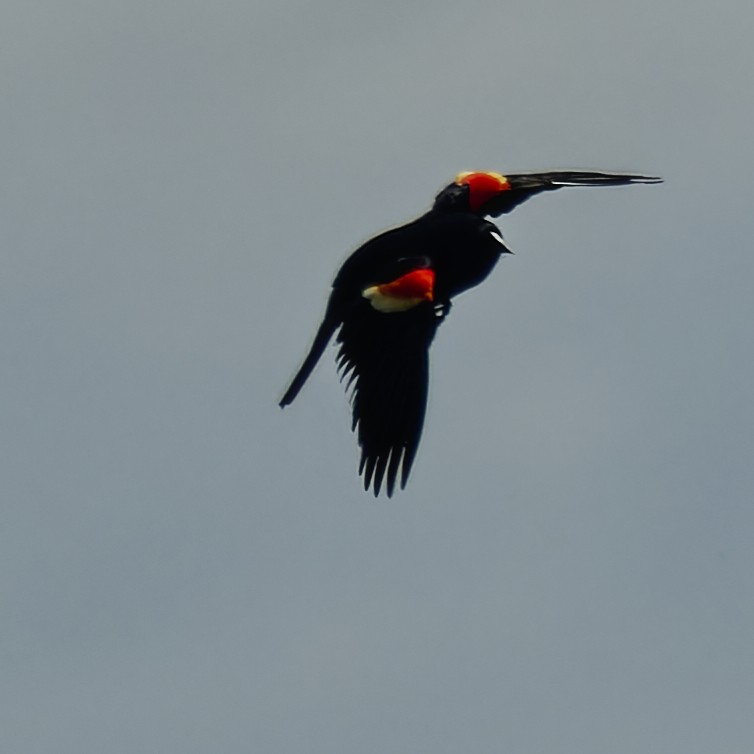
390 295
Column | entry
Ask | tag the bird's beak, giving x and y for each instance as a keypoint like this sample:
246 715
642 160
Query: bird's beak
503 248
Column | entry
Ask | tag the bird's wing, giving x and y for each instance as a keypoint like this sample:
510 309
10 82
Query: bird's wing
525 185
384 356
339 303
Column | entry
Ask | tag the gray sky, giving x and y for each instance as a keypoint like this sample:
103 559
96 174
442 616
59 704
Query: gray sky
185 568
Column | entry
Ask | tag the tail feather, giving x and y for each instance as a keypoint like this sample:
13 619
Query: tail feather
321 340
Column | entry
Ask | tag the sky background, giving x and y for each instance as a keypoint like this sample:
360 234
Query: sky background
186 568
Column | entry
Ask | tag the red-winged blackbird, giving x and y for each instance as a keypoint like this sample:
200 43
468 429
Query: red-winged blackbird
391 294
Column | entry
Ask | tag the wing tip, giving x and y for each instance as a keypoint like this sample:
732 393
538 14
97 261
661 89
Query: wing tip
602 179
387 472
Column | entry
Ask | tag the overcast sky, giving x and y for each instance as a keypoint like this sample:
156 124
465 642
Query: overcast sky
186 568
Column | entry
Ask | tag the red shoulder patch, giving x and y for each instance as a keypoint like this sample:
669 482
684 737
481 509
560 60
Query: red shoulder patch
403 293
482 187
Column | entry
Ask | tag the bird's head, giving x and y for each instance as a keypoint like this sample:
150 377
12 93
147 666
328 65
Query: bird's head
472 192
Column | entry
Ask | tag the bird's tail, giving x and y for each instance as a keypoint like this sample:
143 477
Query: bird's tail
321 339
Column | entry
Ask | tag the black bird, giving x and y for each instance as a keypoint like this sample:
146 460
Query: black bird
391 294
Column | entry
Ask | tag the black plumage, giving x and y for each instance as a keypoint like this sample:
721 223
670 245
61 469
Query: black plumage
390 296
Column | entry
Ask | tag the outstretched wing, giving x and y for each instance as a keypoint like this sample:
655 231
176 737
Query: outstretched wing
384 356
525 185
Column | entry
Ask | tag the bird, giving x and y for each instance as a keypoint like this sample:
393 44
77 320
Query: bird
392 293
